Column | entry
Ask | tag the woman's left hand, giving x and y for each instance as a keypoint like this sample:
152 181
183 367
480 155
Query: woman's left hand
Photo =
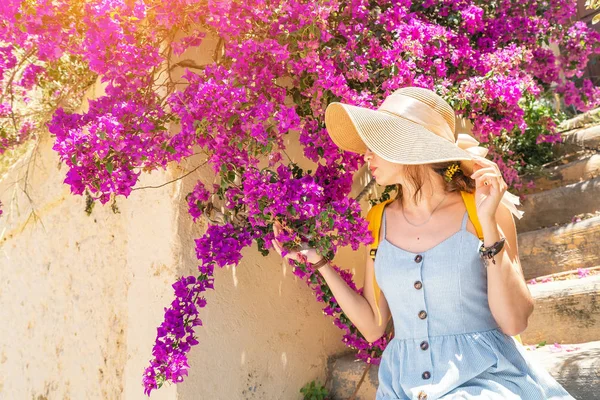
489 188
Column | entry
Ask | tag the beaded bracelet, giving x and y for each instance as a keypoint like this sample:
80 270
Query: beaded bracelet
487 253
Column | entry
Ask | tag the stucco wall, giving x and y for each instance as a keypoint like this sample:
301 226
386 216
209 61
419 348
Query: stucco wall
81 295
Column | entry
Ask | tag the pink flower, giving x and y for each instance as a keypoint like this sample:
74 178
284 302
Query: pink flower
583 272
556 348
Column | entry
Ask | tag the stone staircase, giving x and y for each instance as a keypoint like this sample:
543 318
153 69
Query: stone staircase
559 237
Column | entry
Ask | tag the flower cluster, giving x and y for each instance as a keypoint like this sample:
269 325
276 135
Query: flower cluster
585 98
196 200
36 76
175 336
221 245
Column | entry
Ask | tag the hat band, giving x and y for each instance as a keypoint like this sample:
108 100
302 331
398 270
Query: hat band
418 112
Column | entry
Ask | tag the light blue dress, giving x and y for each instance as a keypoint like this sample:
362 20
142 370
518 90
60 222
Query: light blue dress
447 344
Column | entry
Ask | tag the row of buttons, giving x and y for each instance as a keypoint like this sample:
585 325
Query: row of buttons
422 314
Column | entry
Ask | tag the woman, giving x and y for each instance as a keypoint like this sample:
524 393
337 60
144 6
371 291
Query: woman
455 300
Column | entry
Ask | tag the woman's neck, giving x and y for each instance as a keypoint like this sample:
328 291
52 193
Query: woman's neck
430 197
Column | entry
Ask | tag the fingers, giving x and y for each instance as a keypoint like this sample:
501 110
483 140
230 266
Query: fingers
483 161
276 228
494 180
488 177
276 246
486 166
279 248
293 255
484 171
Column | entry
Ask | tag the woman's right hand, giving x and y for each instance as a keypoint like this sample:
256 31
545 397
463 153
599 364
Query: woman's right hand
310 255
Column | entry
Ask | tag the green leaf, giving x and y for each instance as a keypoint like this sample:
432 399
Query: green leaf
109 167
74 159
171 149
232 120
320 151
231 176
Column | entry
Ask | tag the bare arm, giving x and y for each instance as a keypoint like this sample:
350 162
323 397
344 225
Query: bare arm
509 298
359 309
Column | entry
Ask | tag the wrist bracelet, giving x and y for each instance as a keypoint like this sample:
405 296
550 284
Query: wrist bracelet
489 252
320 263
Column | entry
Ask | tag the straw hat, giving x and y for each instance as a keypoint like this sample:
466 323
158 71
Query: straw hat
413 125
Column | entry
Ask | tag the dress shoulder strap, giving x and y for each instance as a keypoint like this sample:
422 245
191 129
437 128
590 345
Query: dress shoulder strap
463 226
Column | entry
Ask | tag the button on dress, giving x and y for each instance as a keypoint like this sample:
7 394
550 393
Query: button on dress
447 344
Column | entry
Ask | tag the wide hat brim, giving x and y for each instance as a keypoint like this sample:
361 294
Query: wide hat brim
391 137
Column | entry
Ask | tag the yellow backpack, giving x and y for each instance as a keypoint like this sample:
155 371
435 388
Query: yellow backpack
374 217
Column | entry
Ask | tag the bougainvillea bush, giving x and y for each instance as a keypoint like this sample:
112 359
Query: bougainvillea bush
276 66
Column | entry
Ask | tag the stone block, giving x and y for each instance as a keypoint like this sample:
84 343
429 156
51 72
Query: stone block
566 311
559 249
575 171
559 205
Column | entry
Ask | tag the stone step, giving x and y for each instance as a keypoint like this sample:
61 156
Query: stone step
585 168
558 249
582 120
578 138
345 372
577 370
559 205
566 311
588 137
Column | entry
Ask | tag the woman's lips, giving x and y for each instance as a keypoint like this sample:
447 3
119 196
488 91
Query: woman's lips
373 170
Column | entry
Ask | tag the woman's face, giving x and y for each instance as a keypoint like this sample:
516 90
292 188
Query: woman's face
384 172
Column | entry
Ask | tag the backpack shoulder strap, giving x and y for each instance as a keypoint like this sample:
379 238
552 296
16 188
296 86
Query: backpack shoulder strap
374 217
469 199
